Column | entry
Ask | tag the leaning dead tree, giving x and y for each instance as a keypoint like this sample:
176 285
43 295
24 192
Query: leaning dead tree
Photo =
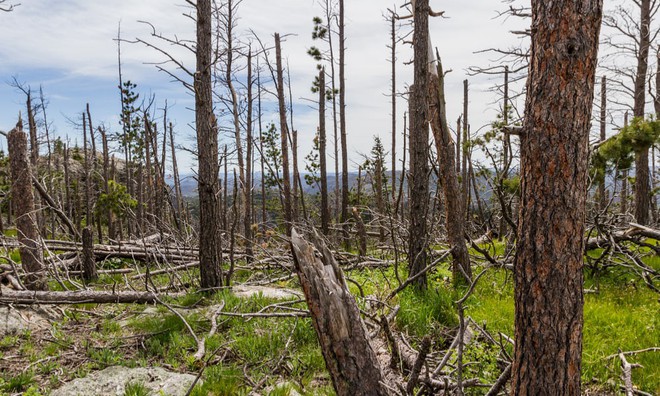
349 358
23 207
445 147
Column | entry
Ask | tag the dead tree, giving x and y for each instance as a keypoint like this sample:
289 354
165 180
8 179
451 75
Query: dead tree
342 126
23 207
286 178
602 198
88 261
247 189
449 177
349 358
419 137
446 151
554 143
210 244
632 38
325 214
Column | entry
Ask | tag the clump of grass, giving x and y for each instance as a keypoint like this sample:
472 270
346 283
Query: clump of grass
221 381
105 357
19 382
135 389
426 312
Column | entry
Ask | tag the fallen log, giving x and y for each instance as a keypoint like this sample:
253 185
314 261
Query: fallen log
79 297
349 358
635 230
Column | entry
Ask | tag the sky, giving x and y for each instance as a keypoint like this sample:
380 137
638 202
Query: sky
68 48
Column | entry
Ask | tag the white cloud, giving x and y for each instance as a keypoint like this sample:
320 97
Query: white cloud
69 42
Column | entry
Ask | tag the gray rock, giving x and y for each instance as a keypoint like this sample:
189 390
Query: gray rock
112 382
16 321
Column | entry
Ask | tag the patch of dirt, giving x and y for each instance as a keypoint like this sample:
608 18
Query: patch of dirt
268 292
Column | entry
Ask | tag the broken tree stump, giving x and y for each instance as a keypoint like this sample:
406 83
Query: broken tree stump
23 206
349 358
88 261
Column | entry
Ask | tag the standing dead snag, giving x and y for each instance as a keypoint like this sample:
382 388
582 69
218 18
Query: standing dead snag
210 250
88 261
23 206
548 269
348 355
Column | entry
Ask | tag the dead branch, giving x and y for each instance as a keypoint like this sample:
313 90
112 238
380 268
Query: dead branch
79 297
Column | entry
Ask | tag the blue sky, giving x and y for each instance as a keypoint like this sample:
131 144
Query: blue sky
67 47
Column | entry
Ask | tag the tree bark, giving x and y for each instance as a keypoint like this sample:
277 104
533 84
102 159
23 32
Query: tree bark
325 214
455 224
247 188
554 151
88 261
419 137
342 127
642 187
602 198
349 358
26 226
393 98
286 179
210 244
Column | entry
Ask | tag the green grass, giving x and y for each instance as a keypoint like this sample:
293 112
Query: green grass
426 312
625 317
135 389
18 383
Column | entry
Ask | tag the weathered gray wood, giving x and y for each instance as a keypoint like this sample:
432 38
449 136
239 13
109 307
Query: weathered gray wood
77 297
23 204
350 360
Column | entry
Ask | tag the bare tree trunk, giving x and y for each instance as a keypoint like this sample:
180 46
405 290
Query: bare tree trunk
264 216
88 259
34 156
603 126
458 145
393 94
403 171
361 232
325 220
642 187
96 219
88 175
26 226
465 185
455 223
106 181
624 180
210 244
554 152
506 146
177 182
349 358
342 127
286 179
419 138
329 18
247 220
147 176
68 206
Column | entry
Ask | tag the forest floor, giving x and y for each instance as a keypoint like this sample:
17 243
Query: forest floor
266 344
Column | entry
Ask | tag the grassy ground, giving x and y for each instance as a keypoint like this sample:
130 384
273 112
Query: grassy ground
620 315
265 352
